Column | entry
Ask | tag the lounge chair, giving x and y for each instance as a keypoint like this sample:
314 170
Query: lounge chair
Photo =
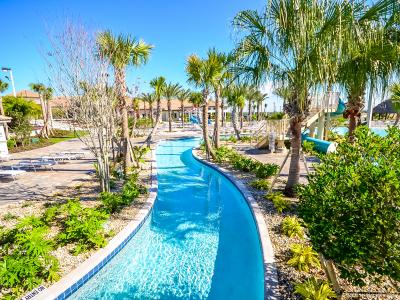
34 164
11 173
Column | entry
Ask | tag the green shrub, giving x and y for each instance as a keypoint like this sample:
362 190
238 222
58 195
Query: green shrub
260 184
223 154
266 170
303 257
25 259
351 206
291 227
50 214
138 154
11 143
232 139
281 204
83 226
312 289
9 216
308 147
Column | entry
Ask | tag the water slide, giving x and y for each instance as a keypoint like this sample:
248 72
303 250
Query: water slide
321 145
195 120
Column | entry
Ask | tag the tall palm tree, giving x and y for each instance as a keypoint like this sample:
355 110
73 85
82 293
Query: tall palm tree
395 99
3 87
369 53
123 51
47 96
204 74
251 97
149 98
285 42
259 99
182 96
222 75
43 92
158 84
236 98
171 90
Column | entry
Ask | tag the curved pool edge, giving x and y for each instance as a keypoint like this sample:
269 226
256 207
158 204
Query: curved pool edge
270 269
86 270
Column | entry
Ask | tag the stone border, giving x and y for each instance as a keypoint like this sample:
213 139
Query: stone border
270 269
79 276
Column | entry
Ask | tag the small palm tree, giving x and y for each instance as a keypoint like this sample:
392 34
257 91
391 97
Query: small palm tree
123 51
3 87
182 96
204 74
149 98
395 98
158 84
236 98
43 94
171 90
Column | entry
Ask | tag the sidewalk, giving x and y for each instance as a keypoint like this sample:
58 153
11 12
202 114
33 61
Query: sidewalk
36 185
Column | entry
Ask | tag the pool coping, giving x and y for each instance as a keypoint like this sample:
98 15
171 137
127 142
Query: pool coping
81 274
270 270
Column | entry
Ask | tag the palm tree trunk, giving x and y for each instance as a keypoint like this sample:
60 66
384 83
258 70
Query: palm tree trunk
49 116
209 150
44 133
258 111
249 111
120 79
169 115
2 113
234 122
151 114
397 119
222 113
216 125
134 120
182 114
294 168
353 112
241 117
158 117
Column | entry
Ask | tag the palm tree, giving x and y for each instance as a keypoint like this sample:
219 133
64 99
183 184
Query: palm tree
395 99
43 93
158 84
3 87
222 74
236 98
204 74
285 42
135 114
47 96
182 96
259 99
123 51
149 98
171 90
369 54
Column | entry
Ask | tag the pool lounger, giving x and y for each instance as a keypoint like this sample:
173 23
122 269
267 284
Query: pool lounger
11 173
59 157
35 164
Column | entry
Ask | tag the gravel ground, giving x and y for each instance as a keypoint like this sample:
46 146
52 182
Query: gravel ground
88 192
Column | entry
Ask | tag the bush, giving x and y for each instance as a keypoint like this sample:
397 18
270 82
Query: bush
291 227
260 184
308 147
266 170
11 143
281 204
303 257
83 226
351 206
312 289
223 154
138 154
25 257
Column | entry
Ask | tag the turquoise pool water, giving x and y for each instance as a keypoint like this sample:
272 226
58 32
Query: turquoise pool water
344 130
200 242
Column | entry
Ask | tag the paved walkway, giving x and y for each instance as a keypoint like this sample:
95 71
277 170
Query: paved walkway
35 185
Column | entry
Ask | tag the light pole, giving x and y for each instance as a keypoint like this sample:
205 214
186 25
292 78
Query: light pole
4 69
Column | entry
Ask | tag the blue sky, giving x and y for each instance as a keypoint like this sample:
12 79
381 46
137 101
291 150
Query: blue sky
176 28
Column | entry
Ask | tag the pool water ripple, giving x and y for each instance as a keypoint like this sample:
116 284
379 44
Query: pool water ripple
200 241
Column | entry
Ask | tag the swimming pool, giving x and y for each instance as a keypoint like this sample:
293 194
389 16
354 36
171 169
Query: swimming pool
377 130
200 242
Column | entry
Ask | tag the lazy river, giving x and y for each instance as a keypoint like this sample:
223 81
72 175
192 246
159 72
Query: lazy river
200 242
